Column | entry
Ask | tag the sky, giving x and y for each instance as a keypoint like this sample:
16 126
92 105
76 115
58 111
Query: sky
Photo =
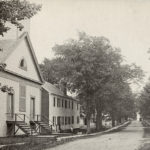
126 23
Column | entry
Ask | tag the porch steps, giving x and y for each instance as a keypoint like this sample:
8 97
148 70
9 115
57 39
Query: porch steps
45 126
25 128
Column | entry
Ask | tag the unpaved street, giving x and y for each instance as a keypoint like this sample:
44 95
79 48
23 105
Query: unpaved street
128 139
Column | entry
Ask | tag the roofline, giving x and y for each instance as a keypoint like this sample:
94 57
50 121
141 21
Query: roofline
64 96
23 77
22 36
67 97
25 34
14 45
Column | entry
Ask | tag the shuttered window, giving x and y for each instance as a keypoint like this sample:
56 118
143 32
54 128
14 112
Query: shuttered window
22 99
54 101
72 119
78 120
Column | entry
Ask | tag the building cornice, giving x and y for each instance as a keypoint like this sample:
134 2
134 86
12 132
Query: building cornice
22 77
66 97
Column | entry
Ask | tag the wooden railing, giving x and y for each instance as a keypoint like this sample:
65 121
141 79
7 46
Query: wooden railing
48 121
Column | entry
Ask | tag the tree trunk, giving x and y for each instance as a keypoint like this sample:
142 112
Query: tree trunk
126 118
113 120
88 116
99 119
88 125
120 120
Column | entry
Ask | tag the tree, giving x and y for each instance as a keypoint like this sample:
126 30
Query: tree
144 101
14 11
90 66
120 99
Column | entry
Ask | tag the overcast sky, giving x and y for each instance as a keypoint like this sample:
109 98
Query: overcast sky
126 23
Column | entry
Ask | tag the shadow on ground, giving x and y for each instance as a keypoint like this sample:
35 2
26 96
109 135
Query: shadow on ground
146 136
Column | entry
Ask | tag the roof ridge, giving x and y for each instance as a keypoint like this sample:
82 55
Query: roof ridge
8 52
53 86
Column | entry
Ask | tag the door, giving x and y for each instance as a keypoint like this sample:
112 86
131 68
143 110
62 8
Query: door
10 106
32 108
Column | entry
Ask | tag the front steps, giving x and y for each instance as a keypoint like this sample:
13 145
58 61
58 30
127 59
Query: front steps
45 126
35 127
25 128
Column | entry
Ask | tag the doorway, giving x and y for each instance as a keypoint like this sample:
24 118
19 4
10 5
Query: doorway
10 105
32 108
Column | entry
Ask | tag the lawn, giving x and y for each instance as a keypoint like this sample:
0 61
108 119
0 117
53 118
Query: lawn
30 143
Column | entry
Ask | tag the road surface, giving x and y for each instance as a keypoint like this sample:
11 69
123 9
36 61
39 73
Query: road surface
128 139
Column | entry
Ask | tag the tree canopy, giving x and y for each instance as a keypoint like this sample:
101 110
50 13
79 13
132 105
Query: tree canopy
94 70
14 11
144 101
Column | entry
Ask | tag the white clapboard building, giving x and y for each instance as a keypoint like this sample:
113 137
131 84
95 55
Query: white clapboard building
61 110
20 95
27 107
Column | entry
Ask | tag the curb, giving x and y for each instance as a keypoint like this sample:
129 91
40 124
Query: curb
63 140
70 138
2 146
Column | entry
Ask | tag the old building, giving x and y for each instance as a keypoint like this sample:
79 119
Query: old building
61 110
25 106
20 95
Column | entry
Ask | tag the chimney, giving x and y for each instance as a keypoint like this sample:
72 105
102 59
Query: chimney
26 24
14 32
63 86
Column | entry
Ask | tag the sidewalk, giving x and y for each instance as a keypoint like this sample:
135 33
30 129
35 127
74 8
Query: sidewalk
58 140
69 138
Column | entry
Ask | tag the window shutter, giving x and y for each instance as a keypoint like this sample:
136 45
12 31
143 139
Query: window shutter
22 101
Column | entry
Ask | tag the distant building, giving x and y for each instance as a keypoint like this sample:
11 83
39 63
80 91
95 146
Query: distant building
62 111
138 116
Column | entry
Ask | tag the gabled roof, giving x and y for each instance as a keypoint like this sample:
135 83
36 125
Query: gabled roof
8 46
52 89
5 48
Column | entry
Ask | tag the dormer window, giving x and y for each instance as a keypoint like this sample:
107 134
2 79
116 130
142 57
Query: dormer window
23 64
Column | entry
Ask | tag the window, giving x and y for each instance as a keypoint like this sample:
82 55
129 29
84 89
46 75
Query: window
77 106
65 103
62 120
72 104
22 99
58 102
23 64
69 103
69 120
58 120
72 119
78 120
62 103
54 120
66 121
54 102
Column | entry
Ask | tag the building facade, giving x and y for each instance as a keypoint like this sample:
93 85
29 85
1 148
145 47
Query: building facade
20 94
63 111
25 106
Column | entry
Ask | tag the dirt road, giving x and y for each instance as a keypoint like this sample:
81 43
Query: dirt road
128 139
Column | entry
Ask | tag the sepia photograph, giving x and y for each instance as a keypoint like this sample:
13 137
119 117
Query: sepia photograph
74 74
